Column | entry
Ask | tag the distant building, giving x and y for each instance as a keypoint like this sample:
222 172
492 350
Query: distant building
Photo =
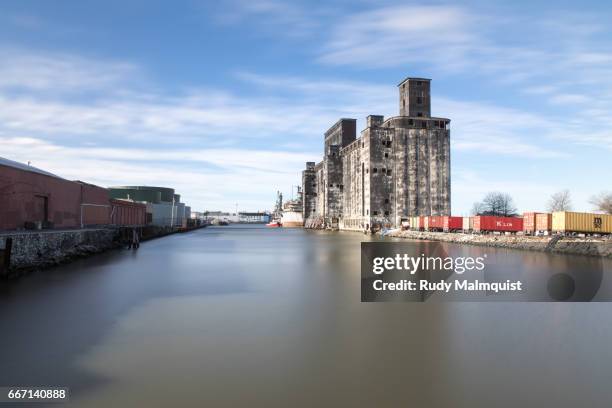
214 216
397 168
253 217
163 205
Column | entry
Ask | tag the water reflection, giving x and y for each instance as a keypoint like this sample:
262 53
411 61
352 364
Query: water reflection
272 317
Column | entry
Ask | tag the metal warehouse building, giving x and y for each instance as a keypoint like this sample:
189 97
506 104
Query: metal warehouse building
162 203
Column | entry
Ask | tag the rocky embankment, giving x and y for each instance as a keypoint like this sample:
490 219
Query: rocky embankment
566 245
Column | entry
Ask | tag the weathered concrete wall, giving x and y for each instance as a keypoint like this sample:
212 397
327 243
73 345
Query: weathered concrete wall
415 97
334 186
34 250
398 168
353 178
342 133
309 197
327 197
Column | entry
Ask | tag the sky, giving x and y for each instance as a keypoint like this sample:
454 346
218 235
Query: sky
226 101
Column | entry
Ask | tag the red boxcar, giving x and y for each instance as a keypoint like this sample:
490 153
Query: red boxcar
126 213
421 222
444 223
484 223
435 223
452 223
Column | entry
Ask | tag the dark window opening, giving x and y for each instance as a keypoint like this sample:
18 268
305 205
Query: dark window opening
374 170
375 213
420 114
411 122
386 212
386 201
386 155
388 171
424 125
419 100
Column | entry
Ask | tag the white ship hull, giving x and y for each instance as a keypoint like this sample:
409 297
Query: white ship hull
292 219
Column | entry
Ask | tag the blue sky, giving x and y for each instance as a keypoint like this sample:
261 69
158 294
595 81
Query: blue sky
225 101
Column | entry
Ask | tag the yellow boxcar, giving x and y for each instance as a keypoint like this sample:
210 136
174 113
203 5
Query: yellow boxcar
414 223
566 221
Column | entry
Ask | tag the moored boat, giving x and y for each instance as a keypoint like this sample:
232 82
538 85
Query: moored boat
274 224
292 212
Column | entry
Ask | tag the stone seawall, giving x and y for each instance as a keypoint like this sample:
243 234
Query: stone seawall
566 245
34 250
38 250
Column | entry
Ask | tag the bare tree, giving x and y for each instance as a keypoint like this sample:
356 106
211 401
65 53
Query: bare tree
602 202
495 203
477 208
560 201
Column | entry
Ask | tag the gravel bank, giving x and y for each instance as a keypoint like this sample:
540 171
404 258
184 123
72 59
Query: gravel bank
576 246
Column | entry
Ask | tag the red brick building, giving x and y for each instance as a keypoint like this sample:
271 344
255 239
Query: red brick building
30 197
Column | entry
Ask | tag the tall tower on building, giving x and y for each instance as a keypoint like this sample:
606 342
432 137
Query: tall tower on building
415 97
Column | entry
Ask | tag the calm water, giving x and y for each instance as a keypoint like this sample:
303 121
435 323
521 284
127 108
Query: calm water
243 316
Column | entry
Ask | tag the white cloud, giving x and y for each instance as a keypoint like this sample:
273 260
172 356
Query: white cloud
392 36
217 147
59 72
563 99
268 15
206 178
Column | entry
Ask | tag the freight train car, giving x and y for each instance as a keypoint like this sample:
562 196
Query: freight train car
127 213
566 222
452 224
414 223
489 223
467 224
543 223
417 223
434 223
529 223
445 223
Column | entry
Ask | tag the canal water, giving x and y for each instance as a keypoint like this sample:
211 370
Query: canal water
247 316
